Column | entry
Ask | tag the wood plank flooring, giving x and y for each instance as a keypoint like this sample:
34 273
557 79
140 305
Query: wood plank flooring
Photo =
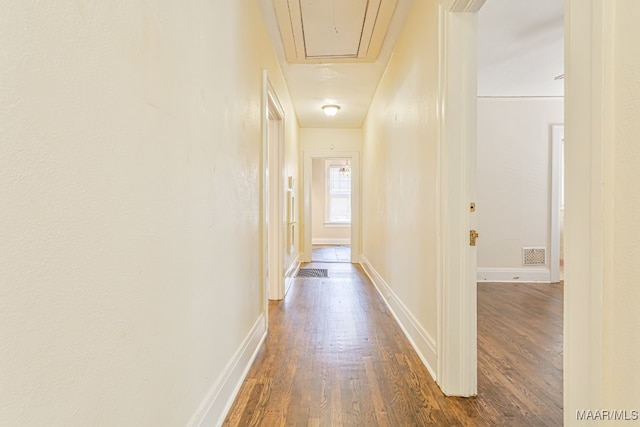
331 253
520 352
335 356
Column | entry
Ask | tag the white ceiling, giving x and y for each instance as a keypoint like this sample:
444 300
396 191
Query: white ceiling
348 84
520 47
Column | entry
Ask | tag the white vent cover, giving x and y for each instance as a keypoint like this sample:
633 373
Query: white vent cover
534 256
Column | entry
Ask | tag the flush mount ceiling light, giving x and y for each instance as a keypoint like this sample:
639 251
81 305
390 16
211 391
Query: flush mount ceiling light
330 110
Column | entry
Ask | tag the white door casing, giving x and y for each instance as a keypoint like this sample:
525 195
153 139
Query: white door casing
557 136
589 141
274 221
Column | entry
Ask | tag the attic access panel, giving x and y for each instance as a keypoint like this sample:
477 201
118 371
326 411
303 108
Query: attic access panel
333 32
315 31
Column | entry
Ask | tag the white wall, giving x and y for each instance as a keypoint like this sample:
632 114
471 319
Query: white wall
130 263
399 175
514 184
321 233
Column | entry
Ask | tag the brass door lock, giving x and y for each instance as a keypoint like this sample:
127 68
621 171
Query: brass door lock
473 235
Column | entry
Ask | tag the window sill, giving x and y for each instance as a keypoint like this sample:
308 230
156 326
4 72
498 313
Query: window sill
337 224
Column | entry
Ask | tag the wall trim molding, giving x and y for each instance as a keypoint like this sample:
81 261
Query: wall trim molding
511 97
331 241
514 275
462 6
557 137
218 401
291 273
422 342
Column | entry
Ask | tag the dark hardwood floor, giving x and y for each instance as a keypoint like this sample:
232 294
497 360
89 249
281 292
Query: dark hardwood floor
520 352
331 253
335 356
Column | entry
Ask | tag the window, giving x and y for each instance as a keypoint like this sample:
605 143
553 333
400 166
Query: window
338 206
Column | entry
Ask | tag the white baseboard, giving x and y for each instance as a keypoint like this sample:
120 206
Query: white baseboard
214 408
525 275
419 338
292 271
331 241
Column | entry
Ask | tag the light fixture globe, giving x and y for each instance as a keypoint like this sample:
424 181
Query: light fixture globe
330 110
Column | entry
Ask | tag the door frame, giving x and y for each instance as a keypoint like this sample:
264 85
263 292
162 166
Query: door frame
557 136
308 157
589 107
272 230
589 217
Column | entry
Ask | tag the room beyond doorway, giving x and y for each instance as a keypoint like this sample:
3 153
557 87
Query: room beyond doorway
333 223
331 205
331 253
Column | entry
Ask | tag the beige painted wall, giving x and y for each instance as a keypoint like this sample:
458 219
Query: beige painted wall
130 158
321 233
621 302
399 169
602 206
330 139
514 183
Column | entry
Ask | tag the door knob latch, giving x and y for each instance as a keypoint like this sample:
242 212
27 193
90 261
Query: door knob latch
473 235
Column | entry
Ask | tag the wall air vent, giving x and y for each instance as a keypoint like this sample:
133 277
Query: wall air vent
534 256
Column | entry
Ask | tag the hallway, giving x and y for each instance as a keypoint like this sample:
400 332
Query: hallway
334 355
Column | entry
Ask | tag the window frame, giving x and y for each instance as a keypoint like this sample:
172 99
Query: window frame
328 221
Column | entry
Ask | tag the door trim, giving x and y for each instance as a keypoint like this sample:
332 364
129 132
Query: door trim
557 135
589 144
273 287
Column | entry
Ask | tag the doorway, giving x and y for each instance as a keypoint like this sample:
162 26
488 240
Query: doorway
274 211
340 222
331 209
519 183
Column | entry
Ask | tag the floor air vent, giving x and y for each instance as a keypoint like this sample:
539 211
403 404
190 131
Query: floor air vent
534 256
313 272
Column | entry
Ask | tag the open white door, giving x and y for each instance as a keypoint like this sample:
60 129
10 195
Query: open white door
457 305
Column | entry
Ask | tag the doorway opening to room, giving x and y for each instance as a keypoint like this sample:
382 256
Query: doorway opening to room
520 187
339 218
331 209
273 208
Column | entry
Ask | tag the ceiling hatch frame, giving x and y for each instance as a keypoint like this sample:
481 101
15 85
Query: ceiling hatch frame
312 31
